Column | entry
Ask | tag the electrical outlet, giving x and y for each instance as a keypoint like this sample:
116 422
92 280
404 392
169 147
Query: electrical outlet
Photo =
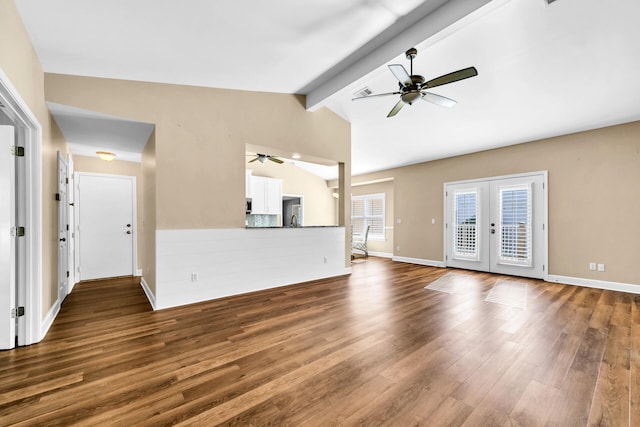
600 267
433 220
592 266
398 221
398 248
194 277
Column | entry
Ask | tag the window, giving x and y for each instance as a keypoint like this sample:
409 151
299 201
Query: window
465 232
515 225
366 211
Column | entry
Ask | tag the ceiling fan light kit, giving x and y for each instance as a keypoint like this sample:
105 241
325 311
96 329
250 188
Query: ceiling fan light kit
413 86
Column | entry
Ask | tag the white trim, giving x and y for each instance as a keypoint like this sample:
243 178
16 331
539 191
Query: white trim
148 293
499 177
381 254
427 262
11 98
49 318
598 284
373 181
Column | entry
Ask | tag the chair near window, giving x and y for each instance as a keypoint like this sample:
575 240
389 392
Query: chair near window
360 245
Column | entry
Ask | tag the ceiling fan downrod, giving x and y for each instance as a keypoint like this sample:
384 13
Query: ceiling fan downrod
411 53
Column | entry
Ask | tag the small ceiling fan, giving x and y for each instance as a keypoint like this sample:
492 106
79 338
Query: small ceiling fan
413 86
264 157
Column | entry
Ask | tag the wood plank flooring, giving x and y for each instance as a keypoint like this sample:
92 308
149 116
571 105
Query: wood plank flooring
374 348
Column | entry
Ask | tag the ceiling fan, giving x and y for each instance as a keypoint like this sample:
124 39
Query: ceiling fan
264 157
413 86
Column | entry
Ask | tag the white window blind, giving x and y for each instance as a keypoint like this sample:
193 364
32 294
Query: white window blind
465 232
515 225
368 210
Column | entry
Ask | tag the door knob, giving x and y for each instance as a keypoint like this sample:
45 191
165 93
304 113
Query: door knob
63 239
493 224
128 231
128 225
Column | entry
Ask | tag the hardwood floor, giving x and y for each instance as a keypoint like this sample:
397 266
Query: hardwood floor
375 348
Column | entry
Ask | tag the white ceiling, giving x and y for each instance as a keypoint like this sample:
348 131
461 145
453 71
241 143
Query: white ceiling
543 70
87 132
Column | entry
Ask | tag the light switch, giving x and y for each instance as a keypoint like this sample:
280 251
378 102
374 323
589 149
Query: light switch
433 220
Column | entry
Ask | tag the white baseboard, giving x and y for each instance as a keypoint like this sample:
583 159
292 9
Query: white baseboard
48 321
598 284
420 261
148 293
381 254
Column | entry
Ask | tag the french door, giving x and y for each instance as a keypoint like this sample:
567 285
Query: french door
498 225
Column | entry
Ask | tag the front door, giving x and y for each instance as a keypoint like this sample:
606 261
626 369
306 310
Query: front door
7 241
106 225
497 225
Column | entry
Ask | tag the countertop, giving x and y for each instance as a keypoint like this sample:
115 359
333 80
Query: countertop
304 226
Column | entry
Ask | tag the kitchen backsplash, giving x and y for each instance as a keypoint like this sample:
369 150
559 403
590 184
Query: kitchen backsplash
262 220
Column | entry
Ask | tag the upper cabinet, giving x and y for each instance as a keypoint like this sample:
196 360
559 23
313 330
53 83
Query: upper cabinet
266 196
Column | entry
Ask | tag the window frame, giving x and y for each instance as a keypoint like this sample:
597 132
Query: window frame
366 198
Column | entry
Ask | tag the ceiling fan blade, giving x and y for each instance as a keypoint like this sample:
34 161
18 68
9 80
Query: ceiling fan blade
440 100
396 108
401 74
273 159
451 77
251 161
376 95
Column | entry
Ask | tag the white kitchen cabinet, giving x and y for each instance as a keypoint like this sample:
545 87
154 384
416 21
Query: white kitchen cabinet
266 196
247 182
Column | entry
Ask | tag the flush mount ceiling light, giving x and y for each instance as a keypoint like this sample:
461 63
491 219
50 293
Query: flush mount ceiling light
106 156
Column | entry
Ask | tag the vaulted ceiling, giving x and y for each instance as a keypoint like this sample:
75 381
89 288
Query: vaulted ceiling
544 70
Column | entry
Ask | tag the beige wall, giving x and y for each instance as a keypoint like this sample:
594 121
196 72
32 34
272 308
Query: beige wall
200 139
20 63
148 224
594 199
116 167
319 205
386 188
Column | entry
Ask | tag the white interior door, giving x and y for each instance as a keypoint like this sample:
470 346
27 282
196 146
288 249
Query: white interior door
497 225
71 241
7 242
106 225
63 229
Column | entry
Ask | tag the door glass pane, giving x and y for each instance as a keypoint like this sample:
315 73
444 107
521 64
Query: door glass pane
465 235
515 225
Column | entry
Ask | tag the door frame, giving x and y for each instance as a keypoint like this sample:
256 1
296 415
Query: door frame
34 327
545 209
78 220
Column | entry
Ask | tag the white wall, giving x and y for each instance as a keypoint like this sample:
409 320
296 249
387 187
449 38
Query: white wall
235 261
